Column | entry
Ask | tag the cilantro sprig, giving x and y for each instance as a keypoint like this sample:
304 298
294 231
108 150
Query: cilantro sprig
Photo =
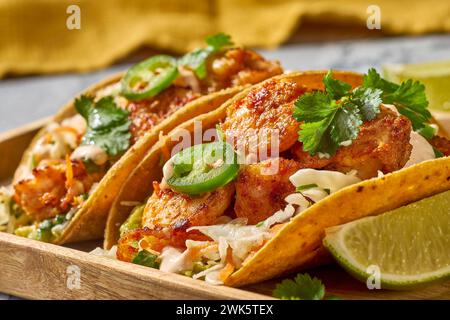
108 126
196 60
332 118
303 287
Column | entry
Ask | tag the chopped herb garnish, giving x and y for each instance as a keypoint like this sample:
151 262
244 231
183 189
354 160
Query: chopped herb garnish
90 166
220 134
260 224
147 259
196 60
303 287
108 125
306 186
44 231
332 118
59 219
438 153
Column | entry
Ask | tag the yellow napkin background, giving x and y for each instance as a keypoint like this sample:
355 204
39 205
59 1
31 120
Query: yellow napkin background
35 39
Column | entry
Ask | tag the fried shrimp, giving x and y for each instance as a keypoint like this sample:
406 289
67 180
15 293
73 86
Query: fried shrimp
382 145
47 194
265 113
262 187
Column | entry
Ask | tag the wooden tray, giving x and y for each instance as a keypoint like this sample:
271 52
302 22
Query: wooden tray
36 270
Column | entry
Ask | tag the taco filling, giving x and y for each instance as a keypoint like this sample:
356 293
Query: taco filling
70 158
210 214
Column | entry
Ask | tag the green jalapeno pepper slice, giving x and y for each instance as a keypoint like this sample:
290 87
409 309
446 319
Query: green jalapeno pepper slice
202 168
149 77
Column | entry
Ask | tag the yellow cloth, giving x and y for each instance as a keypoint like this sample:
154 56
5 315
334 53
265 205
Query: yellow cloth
35 39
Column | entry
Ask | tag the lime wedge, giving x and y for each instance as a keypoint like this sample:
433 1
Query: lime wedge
434 75
409 246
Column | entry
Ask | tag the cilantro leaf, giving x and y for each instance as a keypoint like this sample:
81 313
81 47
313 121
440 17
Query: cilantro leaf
312 107
219 40
196 60
316 138
107 125
336 89
83 105
368 100
326 124
303 287
345 125
147 259
409 97
330 118
438 153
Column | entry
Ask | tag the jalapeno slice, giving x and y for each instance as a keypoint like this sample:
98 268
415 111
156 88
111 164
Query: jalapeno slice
149 77
203 168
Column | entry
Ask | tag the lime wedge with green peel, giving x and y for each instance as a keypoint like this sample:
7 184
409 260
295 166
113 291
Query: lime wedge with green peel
405 248
434 75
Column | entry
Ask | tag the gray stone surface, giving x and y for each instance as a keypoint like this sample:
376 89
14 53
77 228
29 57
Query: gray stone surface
23 100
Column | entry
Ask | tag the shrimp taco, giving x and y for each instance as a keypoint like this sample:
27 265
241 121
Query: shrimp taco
74 167
346 146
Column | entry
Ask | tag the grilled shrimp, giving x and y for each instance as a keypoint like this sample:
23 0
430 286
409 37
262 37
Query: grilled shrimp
262 187
442 144
236 67
48 192
146 114
225 69
173 213
382 144
266 110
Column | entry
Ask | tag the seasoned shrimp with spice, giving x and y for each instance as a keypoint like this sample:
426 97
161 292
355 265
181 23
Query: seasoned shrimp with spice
53 188
167 216
264 116
262 187
167 209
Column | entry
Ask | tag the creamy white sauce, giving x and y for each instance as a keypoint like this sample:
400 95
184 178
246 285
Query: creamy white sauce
90 152
421 150
188 78
76 122
325 179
